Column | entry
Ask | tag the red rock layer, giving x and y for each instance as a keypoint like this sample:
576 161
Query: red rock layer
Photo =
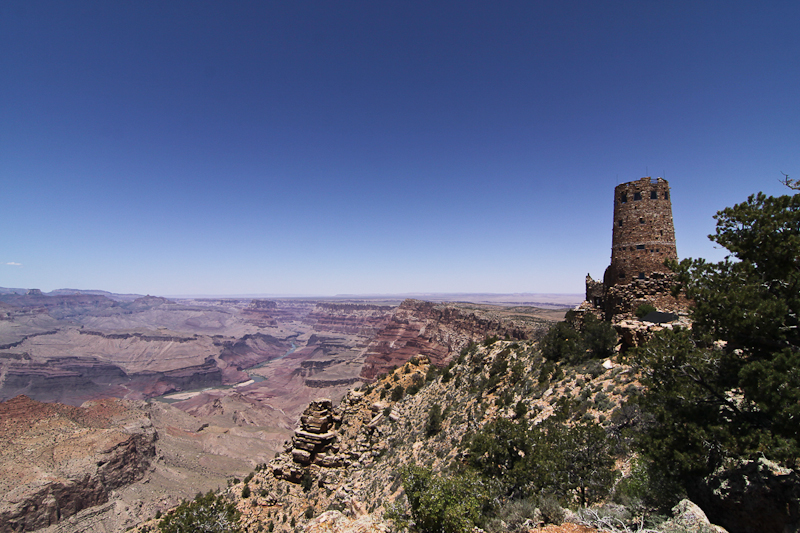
433 330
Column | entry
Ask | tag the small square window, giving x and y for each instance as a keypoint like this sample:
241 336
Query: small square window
640 246
641 221
620 222
641 275
637 196
666 195
654 195
623 198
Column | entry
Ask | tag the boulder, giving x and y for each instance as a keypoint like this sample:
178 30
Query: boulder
753 496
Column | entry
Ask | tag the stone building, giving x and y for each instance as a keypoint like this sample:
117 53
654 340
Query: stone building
643 237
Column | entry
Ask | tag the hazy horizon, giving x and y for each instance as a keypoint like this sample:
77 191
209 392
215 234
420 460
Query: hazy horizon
560 299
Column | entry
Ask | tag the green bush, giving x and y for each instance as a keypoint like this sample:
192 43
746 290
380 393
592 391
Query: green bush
397 393
446 375
434 423
307 481
644 310
563 343
445 504
575 462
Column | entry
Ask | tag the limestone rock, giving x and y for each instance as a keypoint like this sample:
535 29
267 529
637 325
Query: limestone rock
688 517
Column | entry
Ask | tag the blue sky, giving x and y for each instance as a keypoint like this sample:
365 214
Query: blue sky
322 148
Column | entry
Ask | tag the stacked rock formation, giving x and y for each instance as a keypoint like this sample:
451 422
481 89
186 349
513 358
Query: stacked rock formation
314 438
313 442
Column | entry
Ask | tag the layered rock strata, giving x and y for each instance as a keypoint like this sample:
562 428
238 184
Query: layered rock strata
58 460
437 331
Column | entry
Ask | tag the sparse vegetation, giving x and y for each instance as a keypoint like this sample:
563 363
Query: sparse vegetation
208 513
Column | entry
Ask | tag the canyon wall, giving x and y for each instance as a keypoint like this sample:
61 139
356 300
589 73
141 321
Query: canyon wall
437 331
59 459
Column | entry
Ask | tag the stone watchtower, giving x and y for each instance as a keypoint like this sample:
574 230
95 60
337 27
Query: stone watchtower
643 236
642 239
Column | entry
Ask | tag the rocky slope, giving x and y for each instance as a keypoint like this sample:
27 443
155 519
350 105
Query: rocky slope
437 331
342 468
348 457
58 460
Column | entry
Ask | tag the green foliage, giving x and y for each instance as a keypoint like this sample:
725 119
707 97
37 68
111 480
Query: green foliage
512 516
739 398
599 337
444 504
434 422
430 375
644 310
446 375
563 343
397 393
207 513
307 481
551 510
246 491
575 462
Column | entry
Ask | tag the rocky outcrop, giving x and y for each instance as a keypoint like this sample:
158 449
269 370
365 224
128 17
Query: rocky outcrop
313 442
324 383
437 331
350 319
336 522
58 459
688 517
754 496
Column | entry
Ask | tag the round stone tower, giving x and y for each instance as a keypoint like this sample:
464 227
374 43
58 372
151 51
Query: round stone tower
643 235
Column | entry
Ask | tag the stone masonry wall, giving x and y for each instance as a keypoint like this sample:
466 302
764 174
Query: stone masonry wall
643 236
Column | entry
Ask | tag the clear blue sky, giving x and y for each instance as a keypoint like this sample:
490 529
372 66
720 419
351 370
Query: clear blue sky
334 147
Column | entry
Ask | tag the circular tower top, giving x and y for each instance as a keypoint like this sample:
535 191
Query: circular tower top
643 236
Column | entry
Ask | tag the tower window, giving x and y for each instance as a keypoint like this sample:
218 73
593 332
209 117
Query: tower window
623 198
641 221
622 275
620 222
640 246
666 195
641 275
637 196
654 195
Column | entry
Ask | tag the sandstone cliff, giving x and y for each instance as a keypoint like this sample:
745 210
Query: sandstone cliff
437 331
59 459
